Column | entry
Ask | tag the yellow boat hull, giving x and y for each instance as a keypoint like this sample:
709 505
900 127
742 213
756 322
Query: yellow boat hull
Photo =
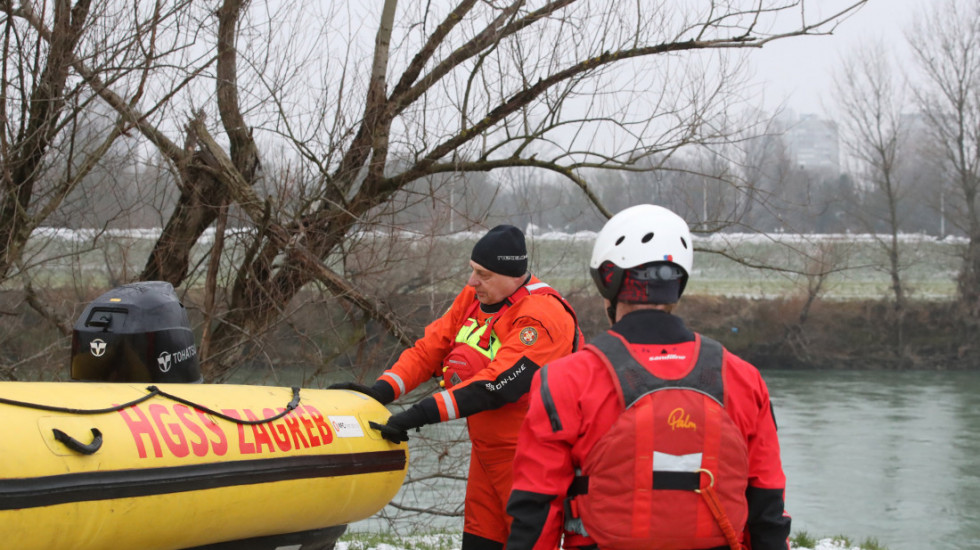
165 474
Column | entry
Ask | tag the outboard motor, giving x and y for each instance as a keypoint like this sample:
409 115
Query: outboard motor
135 333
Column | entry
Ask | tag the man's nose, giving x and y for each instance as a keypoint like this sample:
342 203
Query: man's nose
474 280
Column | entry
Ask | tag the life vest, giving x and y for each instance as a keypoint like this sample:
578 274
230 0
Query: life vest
672 470
476 345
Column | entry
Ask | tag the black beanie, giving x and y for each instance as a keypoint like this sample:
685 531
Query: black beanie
502 250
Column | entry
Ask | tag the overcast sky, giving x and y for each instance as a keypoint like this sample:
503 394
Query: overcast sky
799 71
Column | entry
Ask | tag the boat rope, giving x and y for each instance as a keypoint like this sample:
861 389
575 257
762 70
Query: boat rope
52 408
289 407
153 392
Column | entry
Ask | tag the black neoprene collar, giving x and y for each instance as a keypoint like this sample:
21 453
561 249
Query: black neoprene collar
653 326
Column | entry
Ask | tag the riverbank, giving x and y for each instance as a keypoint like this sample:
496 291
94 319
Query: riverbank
322 340
761 314
789 333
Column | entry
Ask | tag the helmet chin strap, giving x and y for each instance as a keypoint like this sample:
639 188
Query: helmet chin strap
611 311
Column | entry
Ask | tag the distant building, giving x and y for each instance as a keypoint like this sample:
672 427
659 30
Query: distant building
814 144
915 132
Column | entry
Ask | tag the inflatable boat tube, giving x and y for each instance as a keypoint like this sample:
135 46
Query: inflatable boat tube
91 466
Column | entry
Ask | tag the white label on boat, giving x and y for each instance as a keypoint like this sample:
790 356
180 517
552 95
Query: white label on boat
346 426
290 547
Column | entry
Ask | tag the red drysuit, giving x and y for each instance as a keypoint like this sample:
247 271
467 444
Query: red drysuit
574 402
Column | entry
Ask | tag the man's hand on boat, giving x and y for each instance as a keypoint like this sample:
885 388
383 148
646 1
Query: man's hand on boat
396 429
391 433
366 390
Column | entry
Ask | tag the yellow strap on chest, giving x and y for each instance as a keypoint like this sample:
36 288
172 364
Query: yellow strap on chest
470 334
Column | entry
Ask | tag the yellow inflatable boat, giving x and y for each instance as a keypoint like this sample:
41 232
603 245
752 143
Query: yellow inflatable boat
92 465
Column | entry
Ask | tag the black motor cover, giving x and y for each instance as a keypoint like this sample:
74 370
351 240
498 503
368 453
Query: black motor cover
135 333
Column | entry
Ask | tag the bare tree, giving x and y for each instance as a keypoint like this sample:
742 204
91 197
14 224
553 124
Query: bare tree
38 111
820 261
566 86
946 44
56 136
870 101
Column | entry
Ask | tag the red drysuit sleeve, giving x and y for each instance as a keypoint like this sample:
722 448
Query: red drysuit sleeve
579 395
747 401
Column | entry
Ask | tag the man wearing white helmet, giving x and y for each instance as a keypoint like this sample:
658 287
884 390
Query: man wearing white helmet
653 436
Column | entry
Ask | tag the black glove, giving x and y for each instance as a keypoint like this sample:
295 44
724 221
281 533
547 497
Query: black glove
396 429
389 432
376 392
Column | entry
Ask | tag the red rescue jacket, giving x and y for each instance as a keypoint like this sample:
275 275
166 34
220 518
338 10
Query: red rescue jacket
574 401
671 471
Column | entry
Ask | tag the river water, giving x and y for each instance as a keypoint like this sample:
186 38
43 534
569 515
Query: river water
894 456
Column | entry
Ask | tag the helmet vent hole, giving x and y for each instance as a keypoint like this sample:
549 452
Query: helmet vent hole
620 240
646 238
683 242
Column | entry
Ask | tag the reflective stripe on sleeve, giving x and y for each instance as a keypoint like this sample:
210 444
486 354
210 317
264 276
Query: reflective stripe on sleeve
535 286
397 380
447 405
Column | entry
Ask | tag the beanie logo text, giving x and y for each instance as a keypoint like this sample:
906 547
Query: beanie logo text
502 250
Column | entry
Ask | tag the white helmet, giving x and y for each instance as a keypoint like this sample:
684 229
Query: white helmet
637 236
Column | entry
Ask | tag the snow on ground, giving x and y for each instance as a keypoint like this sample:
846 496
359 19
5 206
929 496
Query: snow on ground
829 544
452 542
533 232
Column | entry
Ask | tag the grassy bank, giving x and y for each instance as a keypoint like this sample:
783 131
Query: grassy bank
738 265
765 315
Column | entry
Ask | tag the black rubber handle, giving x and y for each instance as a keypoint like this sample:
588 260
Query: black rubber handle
103 321
77 445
